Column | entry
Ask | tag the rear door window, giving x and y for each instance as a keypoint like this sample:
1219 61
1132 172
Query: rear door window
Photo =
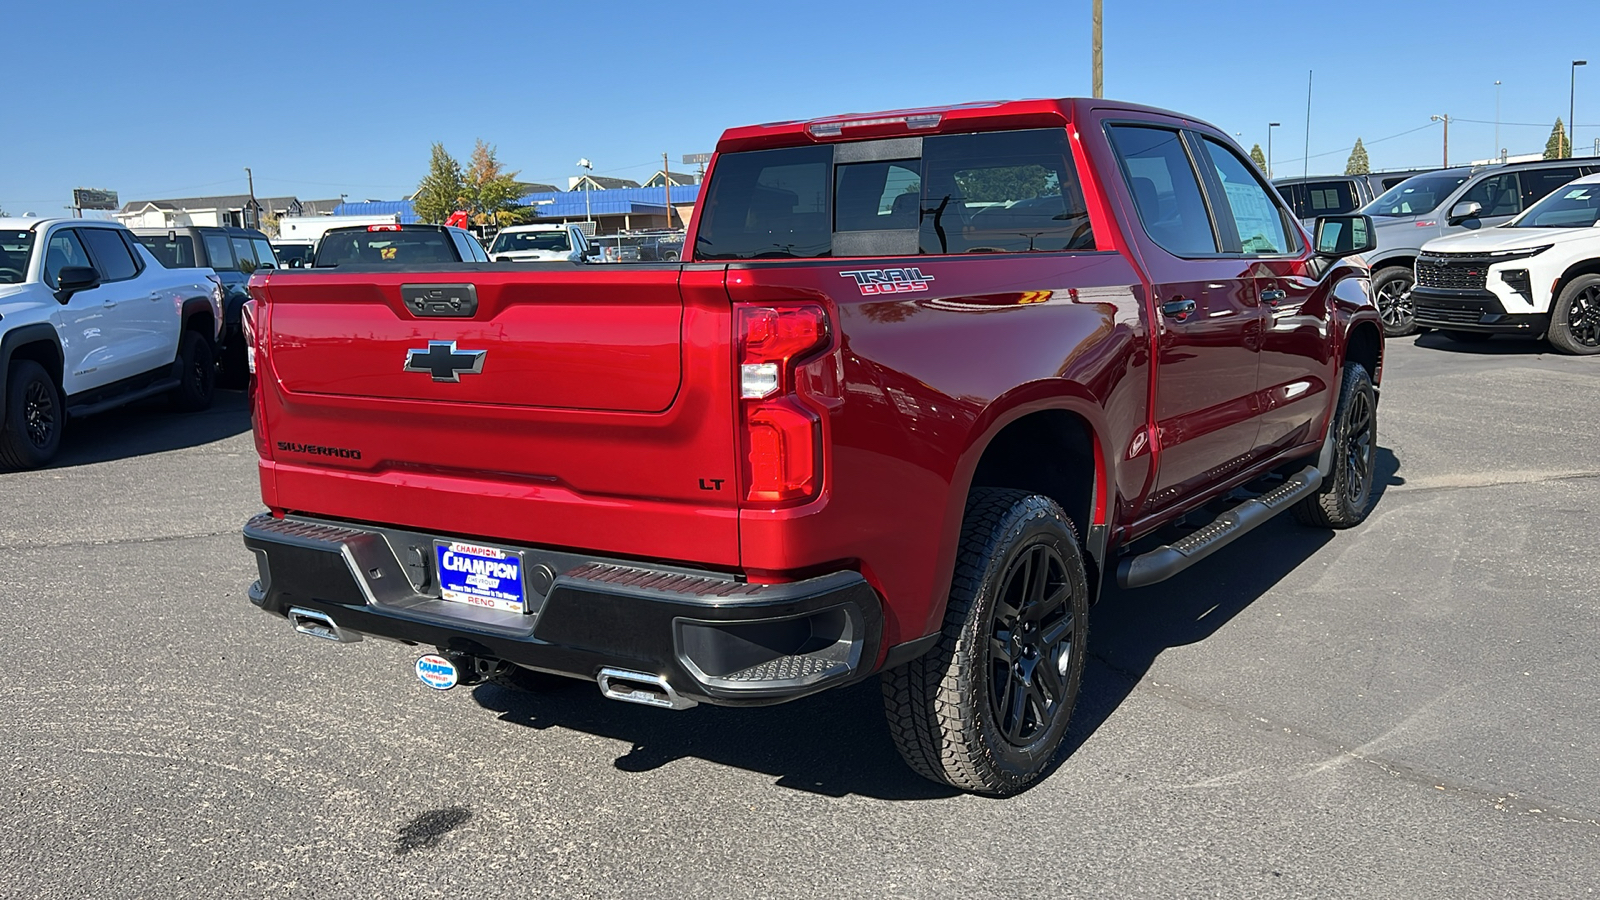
219 252
1537 183
1246 207
112 257
1165 189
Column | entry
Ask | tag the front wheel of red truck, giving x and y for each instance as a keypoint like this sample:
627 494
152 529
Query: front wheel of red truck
985 710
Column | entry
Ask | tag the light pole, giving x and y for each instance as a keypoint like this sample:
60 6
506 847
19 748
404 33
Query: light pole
1270 126
1497 115
1446 120
1572 97
587 168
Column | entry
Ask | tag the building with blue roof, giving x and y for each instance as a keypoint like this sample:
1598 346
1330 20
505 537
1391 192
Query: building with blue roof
621 209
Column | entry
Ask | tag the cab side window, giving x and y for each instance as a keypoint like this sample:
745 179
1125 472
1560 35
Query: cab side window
64 249
1246 208
247 257
1536 183
1165 189
219 253
111 255
264 254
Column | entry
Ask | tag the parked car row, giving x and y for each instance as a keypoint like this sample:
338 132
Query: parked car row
1409 217
1336 195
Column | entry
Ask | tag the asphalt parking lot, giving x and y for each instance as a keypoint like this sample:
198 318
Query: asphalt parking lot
1409 709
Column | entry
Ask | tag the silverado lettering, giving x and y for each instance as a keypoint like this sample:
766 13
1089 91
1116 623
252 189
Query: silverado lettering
317 450
933 487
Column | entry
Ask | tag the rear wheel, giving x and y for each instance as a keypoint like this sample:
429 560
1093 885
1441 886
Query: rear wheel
197 373
985 710
1575 319
1391 291
31 432
1346 493
1467 337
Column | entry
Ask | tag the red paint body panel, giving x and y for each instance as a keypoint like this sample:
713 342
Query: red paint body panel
606 418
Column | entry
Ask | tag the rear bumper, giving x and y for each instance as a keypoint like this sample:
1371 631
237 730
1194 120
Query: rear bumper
711 637
1473 311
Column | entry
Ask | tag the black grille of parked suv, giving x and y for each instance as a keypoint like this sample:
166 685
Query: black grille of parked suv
1459 273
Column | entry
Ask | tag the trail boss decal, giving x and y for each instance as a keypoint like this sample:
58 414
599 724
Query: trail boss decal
873 282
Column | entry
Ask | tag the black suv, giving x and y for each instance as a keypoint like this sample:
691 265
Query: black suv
233 253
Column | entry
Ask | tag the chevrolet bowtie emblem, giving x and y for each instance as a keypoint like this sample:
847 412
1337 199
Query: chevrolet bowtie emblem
444 362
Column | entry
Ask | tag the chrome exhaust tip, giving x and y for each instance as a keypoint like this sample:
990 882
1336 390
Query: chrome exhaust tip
641 688
320 625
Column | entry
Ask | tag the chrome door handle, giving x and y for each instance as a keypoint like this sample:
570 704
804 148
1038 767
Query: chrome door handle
109 304
1178 308
1274 296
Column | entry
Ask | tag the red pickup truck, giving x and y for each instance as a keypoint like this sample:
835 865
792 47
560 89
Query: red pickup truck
922 380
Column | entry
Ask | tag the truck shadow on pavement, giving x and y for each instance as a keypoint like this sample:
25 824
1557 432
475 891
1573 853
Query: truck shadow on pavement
150 427
836 743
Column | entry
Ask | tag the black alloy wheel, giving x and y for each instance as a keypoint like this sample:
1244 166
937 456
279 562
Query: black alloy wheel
986 708
1391 292
1358 436
1575 317
1345 497
39 414
1030 645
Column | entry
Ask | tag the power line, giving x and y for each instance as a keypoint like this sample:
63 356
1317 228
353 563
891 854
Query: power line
1364 143
1521 124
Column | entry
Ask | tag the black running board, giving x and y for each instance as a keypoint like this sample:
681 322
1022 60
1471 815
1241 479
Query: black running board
1169 559
89 409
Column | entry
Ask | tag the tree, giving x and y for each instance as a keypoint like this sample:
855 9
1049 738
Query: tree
1558 147
443 191
490 191
1259 158
1358 164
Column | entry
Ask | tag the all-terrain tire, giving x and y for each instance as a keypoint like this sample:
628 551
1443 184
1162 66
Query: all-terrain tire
985 710
1391 293
197 373
1346 493
30 434
1575 317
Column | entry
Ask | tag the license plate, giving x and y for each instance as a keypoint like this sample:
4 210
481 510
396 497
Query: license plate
480 576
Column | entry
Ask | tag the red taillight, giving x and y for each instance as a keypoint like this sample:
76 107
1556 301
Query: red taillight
383 227
782 435
252 316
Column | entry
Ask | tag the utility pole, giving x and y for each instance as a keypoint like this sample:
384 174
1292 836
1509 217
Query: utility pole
1572 96
1270 126
254 213
1099 54
666 176
1305 164
1446 120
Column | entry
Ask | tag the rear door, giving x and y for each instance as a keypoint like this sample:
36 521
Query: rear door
1207 315
145 330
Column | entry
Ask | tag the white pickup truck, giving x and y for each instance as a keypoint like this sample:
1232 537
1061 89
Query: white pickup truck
89 321
540 243
1538 274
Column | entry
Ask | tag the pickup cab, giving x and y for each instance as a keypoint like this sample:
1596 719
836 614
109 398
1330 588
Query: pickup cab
922 382
89 321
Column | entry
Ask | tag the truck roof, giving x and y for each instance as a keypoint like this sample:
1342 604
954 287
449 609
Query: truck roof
986 115
23 223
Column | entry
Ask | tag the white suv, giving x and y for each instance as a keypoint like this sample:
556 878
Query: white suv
90 320
1537 274
540 243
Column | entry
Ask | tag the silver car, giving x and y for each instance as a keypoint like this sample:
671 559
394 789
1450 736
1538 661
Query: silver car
1449 201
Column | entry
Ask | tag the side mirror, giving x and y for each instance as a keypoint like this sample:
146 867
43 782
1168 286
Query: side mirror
72 279
295 263
1466 209
1341 236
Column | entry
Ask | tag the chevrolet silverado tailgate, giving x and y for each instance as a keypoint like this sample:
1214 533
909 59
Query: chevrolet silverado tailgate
563 405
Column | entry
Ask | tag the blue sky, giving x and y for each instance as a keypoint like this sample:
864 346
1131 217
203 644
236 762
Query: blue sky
167 99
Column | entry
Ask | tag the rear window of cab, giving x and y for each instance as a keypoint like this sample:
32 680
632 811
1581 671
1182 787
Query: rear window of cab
994 192
386 247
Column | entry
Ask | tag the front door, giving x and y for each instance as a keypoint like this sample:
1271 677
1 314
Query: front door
1296 378
86 323
1206 316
